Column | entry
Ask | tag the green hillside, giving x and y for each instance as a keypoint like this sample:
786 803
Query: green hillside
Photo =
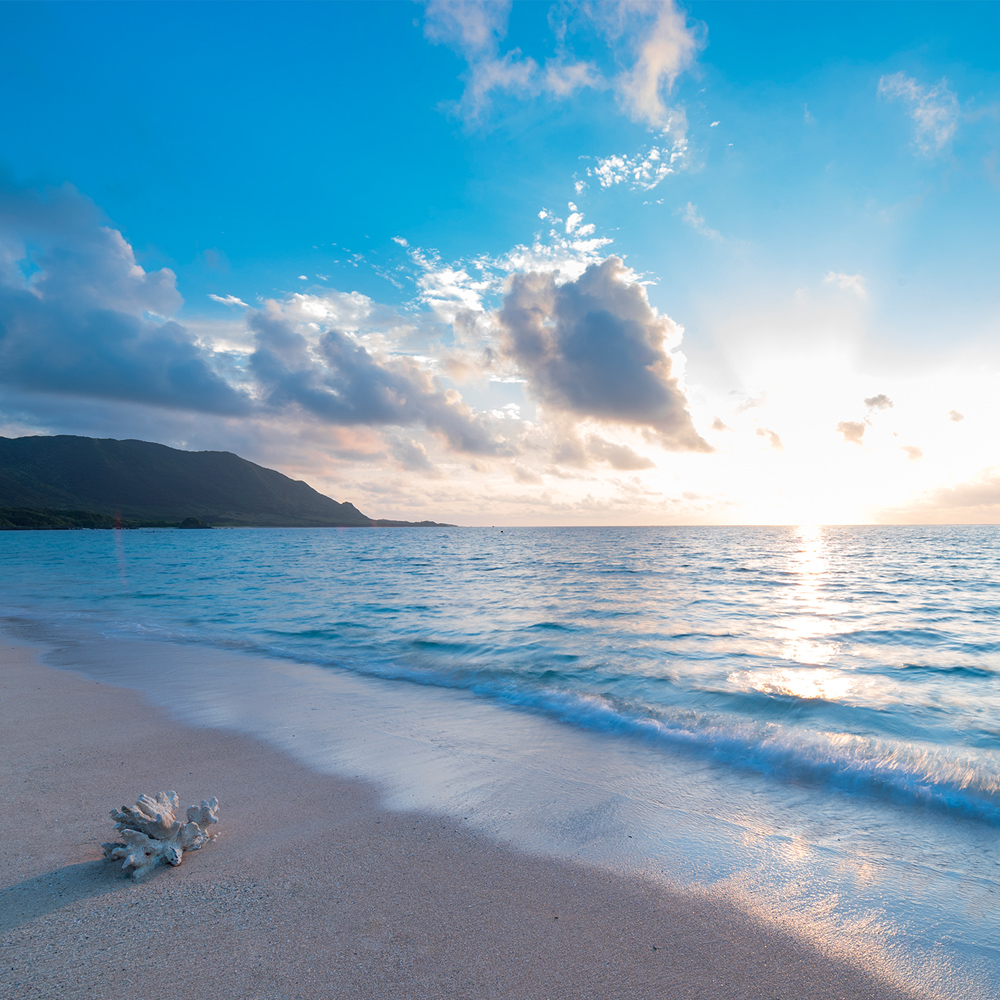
141 481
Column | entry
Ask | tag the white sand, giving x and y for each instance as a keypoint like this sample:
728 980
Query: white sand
313 891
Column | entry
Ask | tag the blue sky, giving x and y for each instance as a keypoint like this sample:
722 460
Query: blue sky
534 263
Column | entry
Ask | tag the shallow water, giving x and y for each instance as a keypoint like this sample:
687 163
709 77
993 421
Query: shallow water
808 717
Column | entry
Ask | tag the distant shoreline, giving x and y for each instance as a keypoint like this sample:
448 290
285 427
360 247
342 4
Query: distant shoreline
50 519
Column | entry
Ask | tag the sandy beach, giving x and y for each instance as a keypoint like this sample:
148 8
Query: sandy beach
314 891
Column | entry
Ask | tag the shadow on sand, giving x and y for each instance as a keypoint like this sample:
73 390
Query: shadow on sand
35 897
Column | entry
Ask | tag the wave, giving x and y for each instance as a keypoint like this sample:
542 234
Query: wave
956 671
906 773
900 772
920 637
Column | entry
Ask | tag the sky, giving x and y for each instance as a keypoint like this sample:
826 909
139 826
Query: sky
615 262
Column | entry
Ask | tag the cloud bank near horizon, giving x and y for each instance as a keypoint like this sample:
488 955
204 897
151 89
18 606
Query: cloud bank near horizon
82 320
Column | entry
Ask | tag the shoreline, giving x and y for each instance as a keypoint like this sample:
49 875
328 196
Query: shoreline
315 890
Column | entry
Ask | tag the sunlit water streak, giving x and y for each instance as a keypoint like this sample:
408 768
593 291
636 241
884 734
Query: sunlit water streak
831 687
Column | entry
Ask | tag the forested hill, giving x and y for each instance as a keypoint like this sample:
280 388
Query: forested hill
141 481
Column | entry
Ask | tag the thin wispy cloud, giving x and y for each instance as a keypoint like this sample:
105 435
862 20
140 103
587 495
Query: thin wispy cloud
848 282
696 221
662 46
649 39
475 29
228 300
935 110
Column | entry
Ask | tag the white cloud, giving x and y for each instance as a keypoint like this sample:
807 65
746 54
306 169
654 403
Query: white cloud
565 258
934 110
848 282
510 411
561 78
346 310
475 29
645 170
228 300
651 40
448 288
663 46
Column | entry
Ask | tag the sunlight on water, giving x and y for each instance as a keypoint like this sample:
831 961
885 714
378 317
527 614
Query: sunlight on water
798 682
812 616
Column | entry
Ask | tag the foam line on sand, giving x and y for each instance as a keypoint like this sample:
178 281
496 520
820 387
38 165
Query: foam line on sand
315 891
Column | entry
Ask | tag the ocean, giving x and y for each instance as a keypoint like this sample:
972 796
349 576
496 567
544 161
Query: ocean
804 719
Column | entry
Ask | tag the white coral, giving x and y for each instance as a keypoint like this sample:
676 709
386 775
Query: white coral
153 835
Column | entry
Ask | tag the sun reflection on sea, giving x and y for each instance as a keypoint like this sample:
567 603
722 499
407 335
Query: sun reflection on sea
811 616
799 682
805 619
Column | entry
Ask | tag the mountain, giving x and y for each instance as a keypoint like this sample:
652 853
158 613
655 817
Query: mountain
140 481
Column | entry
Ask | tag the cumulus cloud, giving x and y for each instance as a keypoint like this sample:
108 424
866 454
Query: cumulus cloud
80 316
849 282
412 455
618 456
934 110
336 379
594 347
852 430
913 453
346 310
955 416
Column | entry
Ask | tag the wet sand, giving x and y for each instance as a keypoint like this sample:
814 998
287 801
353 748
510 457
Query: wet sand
313 890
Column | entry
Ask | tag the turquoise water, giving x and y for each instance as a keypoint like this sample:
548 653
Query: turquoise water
840 685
